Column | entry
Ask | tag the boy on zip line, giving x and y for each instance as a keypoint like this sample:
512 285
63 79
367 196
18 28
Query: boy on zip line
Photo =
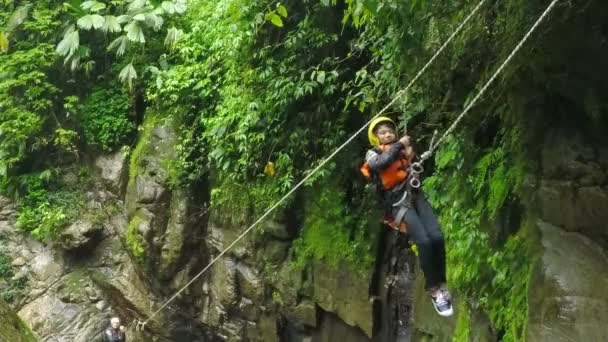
388 165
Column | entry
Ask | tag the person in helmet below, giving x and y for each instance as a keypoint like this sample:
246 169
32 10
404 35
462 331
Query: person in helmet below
389 166
115 332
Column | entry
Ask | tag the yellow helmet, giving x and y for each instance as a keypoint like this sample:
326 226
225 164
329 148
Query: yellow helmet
373 139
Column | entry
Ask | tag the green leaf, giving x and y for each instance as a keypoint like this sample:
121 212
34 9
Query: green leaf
92 6
321 77
282 11
276 20
75 8
111 24
140 17
128 75
134 32
3 42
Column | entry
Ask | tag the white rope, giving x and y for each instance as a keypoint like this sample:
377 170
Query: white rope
310 174
432 148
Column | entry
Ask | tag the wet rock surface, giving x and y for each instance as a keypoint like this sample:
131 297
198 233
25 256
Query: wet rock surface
566 301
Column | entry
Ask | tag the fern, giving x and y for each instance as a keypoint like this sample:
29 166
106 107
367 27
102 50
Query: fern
499 189
483 166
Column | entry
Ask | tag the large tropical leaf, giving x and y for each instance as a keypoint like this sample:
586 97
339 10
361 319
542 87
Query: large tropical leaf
119 44
111 24
154 21
74 60
135 33
91 21
128 75
17 17
70 42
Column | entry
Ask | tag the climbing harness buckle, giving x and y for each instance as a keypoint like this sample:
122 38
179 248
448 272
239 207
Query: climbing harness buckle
417 167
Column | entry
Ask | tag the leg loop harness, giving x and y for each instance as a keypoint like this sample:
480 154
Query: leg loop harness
405 202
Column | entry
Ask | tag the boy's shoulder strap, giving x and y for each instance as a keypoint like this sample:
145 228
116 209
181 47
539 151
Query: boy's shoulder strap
372 152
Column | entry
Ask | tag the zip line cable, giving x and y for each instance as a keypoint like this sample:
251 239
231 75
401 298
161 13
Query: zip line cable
433 146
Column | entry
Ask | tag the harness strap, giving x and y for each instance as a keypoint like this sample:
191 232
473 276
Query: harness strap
403 206
400 217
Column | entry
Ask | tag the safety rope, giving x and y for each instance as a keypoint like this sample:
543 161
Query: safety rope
141 325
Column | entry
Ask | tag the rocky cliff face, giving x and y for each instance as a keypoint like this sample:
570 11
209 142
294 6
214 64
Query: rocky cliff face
572 271
252 293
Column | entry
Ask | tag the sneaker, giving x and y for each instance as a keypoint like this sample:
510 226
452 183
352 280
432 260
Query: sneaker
442 304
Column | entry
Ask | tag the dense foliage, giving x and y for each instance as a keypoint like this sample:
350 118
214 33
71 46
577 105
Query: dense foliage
259 93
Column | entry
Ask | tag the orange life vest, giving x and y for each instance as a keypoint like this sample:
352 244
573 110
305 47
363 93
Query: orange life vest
392 175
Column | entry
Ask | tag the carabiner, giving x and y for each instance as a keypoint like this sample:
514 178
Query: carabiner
417 167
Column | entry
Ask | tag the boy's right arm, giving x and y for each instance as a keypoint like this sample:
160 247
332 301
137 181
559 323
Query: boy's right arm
380 161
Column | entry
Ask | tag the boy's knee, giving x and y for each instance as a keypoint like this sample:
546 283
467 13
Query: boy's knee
436 239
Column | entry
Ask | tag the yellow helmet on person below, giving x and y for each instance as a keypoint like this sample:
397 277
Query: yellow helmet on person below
373 139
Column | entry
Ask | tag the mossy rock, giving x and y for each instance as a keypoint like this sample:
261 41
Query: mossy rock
12 327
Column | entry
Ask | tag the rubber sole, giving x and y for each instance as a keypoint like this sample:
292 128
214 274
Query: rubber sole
446 313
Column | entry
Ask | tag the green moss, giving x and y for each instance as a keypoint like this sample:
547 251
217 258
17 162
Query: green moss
142 146
461 332
332 232
26 333
134 241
